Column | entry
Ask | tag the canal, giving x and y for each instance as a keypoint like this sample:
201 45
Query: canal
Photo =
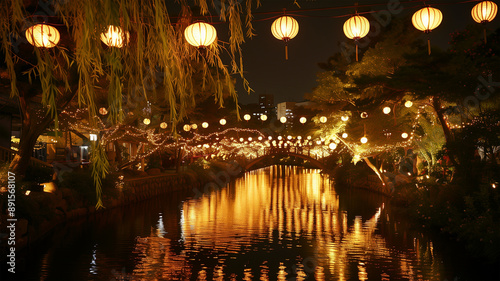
277 223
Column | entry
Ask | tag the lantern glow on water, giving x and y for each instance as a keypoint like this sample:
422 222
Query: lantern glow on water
43 35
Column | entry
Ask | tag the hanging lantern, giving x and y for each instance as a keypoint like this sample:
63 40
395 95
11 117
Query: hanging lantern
404 135
163 125
408 103
43 35
322 119
356 28
332 145
484 12
146 121
303 120
285 28
364 115
386 110
364 140
344 118
186 128
103 111
426 20
345 135
204 125
194 126
115 37
247 117
283 119
263 117
223 122
200 34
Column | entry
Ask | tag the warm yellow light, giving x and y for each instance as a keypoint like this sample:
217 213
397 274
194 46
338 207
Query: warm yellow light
322 119
303 120
93 137
332 145
285 28
242 139
386 110
364 140
289 137
408 103
200 34
308 137
115 36
345 135
250 139
163 125
356 27
260 138
204 125
280 137
247 117
427 19
223 121
194 126
283 119
404 135
484 12
364 115
269 138
186 127
146 121
103 111
263 117
344 118
43 35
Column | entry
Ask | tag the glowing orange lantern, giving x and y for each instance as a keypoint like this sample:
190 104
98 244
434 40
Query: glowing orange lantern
484 12
426 20
115 37
285 28
356 27
43 35
200 34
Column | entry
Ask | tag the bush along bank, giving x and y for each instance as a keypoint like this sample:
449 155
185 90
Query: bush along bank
469 214
74 195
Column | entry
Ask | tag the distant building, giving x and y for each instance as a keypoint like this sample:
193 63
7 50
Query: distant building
266 105
285 109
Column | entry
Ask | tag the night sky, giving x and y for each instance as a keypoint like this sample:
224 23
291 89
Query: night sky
320 33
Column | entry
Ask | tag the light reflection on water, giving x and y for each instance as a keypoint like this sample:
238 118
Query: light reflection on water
279 223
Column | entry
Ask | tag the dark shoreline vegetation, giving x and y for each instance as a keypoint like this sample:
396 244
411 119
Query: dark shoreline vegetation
459 213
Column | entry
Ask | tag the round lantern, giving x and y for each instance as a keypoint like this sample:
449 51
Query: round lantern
427 19
163 125
146 121
204 125
263 117
247 117
115 37
200 34
386 110
303 120
223 122
332 145
408 103
345 135
364 115
484 12
322 119
344 118
404 135
194 126
364 140
103 111
186 127
356 27
285 28
43 35
283 119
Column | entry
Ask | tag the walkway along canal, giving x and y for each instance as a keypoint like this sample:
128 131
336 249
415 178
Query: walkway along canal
276 223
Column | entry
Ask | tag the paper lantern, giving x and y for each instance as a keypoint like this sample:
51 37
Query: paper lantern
163 125
356 27
345 135
332 145
303 120
408 103
283 119
322 119
344 118
263 117
364 115
404 135
43 35
146 121
484 12
200 34
186 127
204 125
426 20
285 28
386 110
103 111
223 122
194 126
115 37
247 117
364 140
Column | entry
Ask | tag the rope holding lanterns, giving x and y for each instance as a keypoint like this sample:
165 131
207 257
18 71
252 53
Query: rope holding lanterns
356 27
285 28
427 19
484 12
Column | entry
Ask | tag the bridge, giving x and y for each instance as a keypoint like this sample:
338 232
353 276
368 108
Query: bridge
296 152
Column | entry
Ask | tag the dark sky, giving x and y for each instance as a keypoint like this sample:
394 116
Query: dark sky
319 36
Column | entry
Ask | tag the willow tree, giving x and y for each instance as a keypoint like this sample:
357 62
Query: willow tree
80 63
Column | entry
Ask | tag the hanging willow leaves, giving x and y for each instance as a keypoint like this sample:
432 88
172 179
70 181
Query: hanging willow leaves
156 61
